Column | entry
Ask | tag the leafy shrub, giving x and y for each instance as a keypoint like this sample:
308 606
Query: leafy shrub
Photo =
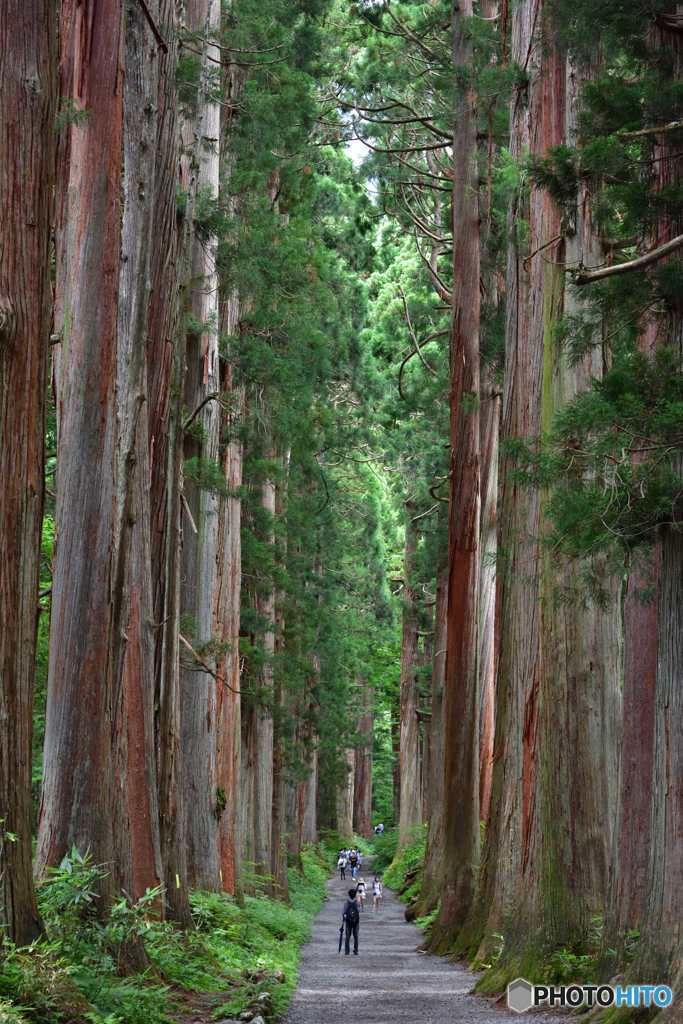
72 976
384 850
408 862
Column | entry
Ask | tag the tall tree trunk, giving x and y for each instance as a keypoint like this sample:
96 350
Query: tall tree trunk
279 815
170 265
262 764
302 817
97 711
661 944
555 642
230 523
27 111
309 801
410 794
424 718
461 693
396 762
579 698
199 699
490 424
362 788
430 890
345 797
139 188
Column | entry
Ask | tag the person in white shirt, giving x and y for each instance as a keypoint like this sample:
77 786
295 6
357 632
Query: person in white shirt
376 893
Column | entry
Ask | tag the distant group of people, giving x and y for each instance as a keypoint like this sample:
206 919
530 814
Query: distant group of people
351 859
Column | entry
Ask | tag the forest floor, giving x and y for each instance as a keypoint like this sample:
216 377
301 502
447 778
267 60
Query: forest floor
390 981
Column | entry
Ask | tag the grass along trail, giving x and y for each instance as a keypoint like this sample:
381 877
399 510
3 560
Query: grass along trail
390 981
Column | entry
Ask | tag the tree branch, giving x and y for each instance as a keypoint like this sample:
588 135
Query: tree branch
202 664
441 289
657 130
209 398
587 276
155 31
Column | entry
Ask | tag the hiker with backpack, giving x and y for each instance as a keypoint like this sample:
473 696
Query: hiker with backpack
353 863
351 923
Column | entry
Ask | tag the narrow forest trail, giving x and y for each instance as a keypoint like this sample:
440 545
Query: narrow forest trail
389 981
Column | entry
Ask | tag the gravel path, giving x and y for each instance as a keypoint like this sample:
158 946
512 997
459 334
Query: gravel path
389 981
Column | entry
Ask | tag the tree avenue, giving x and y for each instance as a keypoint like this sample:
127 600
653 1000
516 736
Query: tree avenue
341 459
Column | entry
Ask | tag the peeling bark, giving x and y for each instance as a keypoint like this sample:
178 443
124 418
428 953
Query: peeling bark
199 698
106 175
27 111
165 361
461 689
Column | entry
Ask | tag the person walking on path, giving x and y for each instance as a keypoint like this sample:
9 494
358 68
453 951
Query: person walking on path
341 864
351 922
361 892
376 893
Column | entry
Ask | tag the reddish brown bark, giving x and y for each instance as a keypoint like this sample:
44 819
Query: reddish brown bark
106 177
461 701
558 699
514 768
27 110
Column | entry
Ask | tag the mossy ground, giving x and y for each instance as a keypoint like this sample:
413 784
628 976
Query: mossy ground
214 970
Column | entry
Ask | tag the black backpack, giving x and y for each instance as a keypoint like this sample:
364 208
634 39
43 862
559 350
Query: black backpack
351 913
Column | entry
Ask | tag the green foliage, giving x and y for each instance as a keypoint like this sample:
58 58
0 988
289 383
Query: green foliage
70 114
427 920
610 463
233 953
11 1014
557 173
403 874
384 849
